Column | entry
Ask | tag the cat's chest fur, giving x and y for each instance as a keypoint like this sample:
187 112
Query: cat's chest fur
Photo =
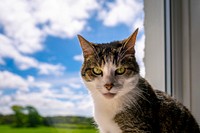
104 114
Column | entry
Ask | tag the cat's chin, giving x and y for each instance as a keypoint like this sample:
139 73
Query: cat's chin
109 95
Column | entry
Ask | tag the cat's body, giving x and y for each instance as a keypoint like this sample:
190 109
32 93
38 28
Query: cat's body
124 102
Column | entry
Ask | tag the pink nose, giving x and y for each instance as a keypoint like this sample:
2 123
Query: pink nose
109 86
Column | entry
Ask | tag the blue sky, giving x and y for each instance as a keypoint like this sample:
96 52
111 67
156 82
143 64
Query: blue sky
40 56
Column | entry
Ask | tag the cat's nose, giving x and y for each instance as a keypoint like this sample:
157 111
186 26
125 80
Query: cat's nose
108 86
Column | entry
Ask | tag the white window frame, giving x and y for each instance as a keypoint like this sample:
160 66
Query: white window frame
154 43
172 49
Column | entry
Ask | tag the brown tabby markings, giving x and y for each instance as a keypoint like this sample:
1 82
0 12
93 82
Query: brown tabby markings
160 114
109 54
134 106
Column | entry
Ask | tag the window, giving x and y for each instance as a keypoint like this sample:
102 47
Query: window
40 57
171 49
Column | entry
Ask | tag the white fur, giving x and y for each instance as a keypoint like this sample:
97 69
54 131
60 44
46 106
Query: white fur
104 112
106 109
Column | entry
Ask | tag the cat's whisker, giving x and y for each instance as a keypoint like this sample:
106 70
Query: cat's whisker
141 95
133 102
130 100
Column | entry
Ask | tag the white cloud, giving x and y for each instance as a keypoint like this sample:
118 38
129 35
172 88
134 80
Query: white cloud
26 24
78 58
5 101
121 12
46 105
138 23
67 97
49 103
20 26
63 18
24 62
47 69
10 80
38 84
139 48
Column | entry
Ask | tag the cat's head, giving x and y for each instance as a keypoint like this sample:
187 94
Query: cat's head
110 69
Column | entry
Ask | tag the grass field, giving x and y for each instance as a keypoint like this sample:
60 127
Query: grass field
8 129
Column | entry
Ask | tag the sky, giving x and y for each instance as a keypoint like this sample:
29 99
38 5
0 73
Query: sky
40 56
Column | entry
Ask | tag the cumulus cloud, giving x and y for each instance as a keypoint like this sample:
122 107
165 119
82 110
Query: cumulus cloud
63 18
19 25
10 80
26 24
78 57
121 12
45 102
48 96
24 62
46 106
139 48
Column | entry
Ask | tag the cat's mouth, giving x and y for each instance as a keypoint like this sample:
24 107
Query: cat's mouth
109 95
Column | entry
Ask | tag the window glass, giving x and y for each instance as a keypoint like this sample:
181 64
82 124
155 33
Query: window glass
40 56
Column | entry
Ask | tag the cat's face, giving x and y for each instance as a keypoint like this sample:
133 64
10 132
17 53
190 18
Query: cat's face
110 70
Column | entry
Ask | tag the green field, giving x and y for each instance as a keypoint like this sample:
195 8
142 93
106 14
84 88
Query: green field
8 129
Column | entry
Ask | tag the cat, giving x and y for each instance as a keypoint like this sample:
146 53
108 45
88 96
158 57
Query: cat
124 102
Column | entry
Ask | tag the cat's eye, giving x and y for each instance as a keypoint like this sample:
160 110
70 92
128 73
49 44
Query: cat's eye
120 70
97 71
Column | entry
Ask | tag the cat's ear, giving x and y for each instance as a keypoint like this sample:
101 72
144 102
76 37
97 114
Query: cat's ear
86 46
130 43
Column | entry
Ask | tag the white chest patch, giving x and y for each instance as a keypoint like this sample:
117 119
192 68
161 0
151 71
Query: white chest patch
104 116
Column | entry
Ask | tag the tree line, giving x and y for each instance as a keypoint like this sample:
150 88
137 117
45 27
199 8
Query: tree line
28 116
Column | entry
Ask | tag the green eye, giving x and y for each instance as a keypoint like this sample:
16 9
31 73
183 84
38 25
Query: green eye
97 71
120 71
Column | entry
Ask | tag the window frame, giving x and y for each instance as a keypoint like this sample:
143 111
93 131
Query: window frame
176 47
154 40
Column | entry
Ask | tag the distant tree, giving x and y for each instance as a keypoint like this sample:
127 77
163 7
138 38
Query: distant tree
26 116
20 117
1 119
33 117
7 119
47 121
